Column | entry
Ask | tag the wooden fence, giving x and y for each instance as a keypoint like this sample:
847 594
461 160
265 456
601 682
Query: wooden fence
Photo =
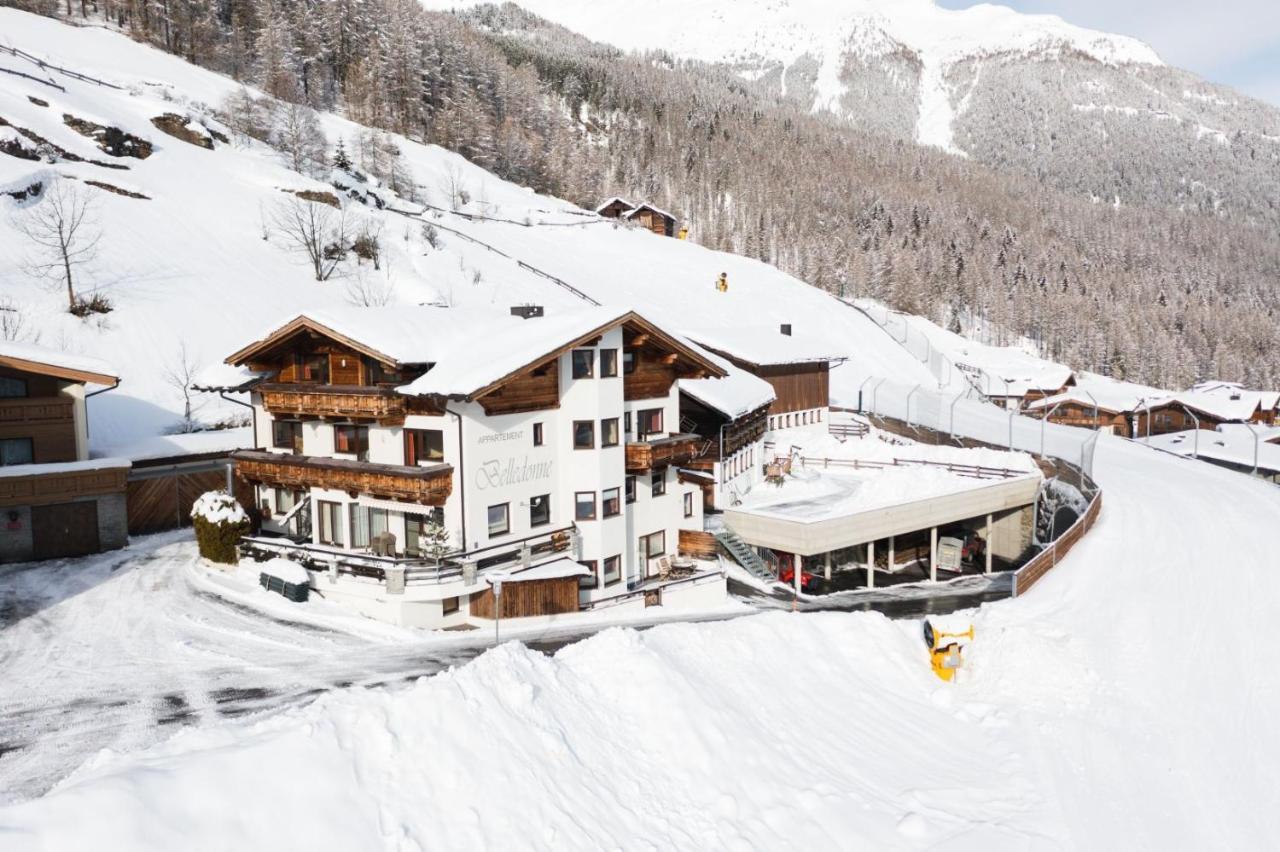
160 494
698 544
1028 575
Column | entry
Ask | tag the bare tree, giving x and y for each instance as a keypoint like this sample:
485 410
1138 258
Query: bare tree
179 375
13 323
371 288
296 133
454 186
316 229
63 229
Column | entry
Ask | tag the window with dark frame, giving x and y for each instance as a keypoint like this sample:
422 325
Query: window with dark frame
658 486
540 510
629 360
626 424
584 506
608 363
583 363
351 440
17 451
584 434
649 422
611 502
366 522
423 445
589 582
449 606
537 434
631 489
330 514
313 369
653 545
415 530
609 432
286 435
499 519
612 571
12 387
688 504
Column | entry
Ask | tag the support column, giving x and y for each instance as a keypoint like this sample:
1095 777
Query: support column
796 571
871 565
893 564
933 554
827 566
988 543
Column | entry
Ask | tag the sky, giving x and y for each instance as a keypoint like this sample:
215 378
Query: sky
1235 42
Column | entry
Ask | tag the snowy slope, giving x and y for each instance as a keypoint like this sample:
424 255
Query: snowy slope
1128 701
189 265
758 35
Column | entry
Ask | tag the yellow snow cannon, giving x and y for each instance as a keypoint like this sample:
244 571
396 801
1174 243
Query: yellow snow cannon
945 655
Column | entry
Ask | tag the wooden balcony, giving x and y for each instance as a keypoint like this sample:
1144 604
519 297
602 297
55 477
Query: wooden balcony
37 411
343 402
60 483
428 486
644 456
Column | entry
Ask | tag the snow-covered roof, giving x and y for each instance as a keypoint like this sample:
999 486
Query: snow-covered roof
765 345
35 358
738 393
1266 399
469 349
225 377
556 569
46 468
1233 446
1219 406
1108 394
186 444
639 208
617 199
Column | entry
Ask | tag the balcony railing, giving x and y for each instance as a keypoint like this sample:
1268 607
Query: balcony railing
428 486
340 401
36 411
644 456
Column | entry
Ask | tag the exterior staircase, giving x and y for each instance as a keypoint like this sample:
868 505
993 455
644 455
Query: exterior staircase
746 556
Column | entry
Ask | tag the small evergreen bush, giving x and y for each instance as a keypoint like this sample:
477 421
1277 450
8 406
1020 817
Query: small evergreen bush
219 523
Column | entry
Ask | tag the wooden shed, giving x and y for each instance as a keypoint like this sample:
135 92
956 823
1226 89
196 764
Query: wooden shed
659 221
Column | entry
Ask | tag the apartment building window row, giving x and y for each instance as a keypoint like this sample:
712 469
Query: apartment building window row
584 363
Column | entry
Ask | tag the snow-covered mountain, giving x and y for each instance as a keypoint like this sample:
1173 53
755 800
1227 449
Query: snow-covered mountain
824 51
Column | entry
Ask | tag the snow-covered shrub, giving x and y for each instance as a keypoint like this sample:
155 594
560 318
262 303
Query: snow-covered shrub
219 522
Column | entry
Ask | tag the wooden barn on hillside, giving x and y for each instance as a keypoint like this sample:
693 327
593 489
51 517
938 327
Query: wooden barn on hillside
646 215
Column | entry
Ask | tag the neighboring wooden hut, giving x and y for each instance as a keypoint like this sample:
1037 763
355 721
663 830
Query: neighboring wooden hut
659 221
615 208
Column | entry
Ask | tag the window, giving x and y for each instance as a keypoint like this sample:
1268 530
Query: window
313 369
540 510
611 502
537 434
366 522
380 374
499 519
286 435
659 483
649 422
609 432
612 570
626 424
415 531
423 445
584 434
330 522
589 582
608 363
352 440
12 387
584 506
631 489
688 504
651 547
16 451
449 606
582 363
629 360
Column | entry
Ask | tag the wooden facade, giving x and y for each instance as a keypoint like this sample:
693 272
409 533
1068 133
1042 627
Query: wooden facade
1082 415
535 391
653 219
428 486
49 421
616 208
799 387
644 456
527 598
1173 417
698 544
41 489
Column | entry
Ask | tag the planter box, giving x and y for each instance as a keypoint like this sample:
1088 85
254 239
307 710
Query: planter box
296 592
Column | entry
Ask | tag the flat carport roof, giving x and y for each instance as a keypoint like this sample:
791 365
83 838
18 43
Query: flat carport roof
824 534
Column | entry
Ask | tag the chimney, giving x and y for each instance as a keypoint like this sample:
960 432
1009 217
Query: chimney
786 329
527 311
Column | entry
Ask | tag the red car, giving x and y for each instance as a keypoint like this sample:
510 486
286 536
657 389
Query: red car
808 582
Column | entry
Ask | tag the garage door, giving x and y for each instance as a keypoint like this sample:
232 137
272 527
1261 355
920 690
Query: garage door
64 529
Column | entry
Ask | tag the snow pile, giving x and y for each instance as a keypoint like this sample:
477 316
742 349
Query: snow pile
219 507
46 468
286 570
